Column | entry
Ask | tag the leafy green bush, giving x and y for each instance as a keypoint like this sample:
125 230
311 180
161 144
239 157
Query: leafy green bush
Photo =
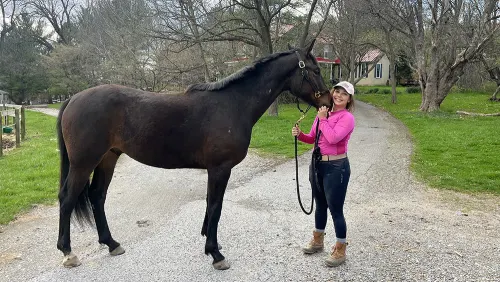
372 90
413 89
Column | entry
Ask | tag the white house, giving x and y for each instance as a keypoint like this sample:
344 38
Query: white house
379 75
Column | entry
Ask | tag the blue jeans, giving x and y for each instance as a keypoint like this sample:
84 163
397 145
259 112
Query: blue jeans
329 193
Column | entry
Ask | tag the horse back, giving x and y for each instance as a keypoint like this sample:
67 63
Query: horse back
168 131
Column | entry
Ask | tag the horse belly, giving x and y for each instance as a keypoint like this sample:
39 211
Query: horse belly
165 161
162 156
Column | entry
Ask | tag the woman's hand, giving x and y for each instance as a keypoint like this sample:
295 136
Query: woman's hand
295 130
322 112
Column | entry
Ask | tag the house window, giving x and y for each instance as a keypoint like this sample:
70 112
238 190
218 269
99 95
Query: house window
378 71
326 51
361 70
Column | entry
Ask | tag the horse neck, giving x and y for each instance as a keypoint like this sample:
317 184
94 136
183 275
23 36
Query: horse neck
261 89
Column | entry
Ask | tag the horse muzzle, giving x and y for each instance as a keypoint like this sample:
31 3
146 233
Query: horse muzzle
323 99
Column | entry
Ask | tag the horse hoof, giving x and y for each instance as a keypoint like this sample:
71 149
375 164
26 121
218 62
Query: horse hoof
117 251
219 246
221 265
71 260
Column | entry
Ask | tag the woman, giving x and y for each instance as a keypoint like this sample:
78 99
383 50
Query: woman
333 171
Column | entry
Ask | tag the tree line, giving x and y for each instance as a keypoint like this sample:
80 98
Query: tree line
55 48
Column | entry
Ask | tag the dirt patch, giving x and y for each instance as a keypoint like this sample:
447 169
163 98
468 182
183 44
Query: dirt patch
26 218
8 142
465 203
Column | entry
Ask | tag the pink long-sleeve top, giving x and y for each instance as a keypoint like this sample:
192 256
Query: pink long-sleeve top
335 132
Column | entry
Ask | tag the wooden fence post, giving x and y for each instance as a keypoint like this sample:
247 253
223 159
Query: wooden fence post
1 133
23 124
18 127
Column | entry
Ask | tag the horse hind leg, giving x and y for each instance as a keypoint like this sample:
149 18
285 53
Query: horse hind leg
101 179
217 183
71 195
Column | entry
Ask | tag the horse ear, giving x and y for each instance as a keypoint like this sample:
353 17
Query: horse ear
289 46
310 46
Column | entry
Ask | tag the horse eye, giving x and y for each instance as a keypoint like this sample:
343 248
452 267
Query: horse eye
316 71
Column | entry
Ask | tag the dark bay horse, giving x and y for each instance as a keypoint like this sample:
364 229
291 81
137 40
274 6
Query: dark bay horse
207 127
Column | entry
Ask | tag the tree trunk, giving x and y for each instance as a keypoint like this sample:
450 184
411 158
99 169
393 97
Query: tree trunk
352 69
305 32
494 73
206 72
266 48
392 64
437 88
430 100
393 84
273 109
193 25
494 96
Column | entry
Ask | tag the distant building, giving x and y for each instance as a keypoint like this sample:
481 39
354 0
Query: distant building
4 97
379 75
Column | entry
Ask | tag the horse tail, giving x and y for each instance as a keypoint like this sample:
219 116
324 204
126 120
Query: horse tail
83 206
62 147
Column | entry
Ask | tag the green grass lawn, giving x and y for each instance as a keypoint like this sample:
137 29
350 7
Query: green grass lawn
54 106
273 135
451 151
29 175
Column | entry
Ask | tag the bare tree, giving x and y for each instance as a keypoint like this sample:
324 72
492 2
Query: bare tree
385 37
8 10
59 14
180 21
493 70
250 22
490 60
445 35
114 32
346 30
323 12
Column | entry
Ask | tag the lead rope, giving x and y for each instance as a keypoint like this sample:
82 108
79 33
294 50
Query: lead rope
304 72
313 169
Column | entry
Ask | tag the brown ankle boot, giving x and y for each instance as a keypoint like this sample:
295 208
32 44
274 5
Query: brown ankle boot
337 257
316 244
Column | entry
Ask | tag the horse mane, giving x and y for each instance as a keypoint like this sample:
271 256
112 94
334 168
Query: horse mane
243 72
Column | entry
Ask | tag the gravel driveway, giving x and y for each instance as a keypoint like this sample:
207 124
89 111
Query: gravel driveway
398 229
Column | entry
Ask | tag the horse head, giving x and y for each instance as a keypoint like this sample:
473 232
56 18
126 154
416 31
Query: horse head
306 81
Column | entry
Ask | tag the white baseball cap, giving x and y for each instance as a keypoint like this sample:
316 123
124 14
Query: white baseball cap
346 85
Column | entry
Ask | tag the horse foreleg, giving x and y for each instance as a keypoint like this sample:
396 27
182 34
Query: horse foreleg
205 226
217 183
68 197
98 190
